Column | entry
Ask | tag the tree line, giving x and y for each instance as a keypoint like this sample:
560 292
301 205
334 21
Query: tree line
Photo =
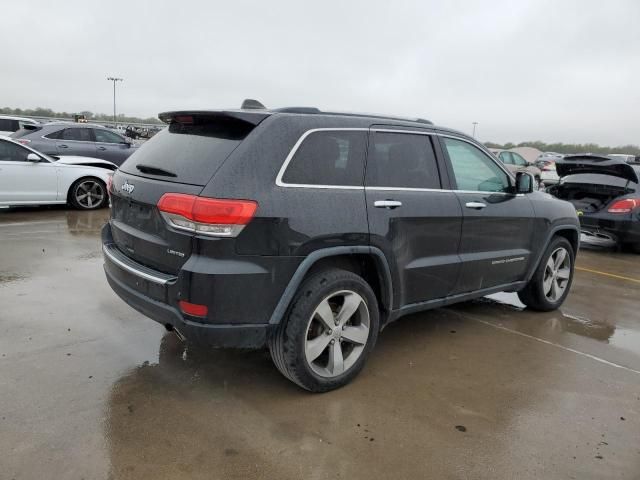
570 147
96 117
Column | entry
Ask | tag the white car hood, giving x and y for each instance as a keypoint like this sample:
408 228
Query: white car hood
86 161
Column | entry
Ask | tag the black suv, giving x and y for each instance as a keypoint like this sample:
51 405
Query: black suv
308 232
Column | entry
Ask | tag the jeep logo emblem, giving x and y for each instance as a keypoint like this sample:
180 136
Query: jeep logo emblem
127 187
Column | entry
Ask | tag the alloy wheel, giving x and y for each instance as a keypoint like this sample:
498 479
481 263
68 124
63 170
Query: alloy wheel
557 273
337 333
89 194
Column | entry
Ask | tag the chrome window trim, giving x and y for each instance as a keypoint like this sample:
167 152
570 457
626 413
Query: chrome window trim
293 151
389 130
295 147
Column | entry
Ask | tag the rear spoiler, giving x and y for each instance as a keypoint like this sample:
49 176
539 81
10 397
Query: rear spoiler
253 117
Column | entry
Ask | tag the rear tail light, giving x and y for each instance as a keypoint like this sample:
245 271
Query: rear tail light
109 184
193 309
23 141
207 216
624 206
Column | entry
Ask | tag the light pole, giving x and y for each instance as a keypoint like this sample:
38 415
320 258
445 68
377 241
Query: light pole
114 80
473 134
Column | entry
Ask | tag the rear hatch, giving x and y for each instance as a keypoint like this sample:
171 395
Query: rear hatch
180 159
576 164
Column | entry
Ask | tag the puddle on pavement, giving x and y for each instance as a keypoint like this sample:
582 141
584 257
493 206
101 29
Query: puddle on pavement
9 278
510 312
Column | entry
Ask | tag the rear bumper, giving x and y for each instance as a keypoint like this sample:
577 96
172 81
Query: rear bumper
218 336
155 295
619 228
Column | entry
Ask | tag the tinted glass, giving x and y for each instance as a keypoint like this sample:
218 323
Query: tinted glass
473 169
54 135
10 152
7 125
329 158
402 160
192 152
105 136
77 134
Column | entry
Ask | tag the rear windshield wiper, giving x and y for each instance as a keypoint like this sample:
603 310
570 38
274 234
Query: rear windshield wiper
155 171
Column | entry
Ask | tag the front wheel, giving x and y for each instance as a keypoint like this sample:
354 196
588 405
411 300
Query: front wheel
329 332
551 282
88 194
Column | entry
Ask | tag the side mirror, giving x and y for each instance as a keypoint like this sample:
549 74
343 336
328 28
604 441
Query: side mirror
524 182
32 157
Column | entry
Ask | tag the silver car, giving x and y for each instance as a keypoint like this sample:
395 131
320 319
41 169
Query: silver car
78 139
516 163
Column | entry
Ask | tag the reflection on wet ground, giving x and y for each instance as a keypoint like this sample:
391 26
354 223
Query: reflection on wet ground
485 389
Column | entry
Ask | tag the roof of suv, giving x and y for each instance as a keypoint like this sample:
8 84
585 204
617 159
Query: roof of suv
257 115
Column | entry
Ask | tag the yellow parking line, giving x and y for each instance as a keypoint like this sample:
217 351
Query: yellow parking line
629 279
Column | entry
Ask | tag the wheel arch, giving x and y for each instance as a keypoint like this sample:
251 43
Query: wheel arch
570 232
368 262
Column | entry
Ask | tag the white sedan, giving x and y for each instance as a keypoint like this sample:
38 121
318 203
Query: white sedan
28 177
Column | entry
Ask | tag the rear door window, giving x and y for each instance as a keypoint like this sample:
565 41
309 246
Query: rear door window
188 152
57 135
77 134
402 160
332 157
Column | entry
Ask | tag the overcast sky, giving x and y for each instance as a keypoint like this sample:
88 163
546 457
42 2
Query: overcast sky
556 70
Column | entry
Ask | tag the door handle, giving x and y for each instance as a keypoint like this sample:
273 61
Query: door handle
387 204
476 205
101 148
63 146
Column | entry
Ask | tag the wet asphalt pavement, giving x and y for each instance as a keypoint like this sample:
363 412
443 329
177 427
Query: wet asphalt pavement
91 389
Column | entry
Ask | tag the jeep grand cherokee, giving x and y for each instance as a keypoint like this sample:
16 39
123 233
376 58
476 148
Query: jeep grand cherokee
308 232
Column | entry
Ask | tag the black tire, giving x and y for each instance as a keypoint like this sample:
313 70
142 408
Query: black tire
75 193
533 294
287 343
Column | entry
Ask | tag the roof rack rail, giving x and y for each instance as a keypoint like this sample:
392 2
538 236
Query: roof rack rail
250 104
298 110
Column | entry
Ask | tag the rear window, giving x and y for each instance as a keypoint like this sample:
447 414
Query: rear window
188 152
26 130
333 157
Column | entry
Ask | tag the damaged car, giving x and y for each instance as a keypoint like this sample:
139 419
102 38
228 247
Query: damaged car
29 177
605 193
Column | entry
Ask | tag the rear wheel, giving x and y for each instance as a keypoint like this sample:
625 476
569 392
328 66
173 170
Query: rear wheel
329 332
88 194
551 281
